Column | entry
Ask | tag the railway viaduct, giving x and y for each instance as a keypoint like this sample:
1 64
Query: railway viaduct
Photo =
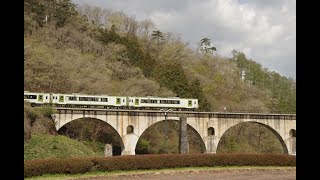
209 126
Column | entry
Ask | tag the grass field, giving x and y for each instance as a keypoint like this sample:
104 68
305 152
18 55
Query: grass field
50 146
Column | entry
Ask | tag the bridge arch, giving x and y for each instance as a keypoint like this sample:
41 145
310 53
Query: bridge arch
107 124
197 134
275 132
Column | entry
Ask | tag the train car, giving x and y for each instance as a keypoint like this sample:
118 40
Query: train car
105 101
89 101
174 103
37 98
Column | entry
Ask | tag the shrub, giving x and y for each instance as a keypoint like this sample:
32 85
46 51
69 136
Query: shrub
47 111
82 165
57 166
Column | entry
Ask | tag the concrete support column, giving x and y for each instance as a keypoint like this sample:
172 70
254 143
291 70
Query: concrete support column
183 139
291 145
129 141
211 143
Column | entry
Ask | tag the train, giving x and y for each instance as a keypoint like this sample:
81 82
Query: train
77 100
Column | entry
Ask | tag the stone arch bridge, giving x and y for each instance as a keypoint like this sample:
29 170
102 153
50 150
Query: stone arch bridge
209 126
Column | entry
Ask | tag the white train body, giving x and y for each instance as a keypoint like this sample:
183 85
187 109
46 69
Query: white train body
154 102
38 98
89 100
105 101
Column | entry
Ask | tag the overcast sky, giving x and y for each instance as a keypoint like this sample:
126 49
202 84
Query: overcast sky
265 30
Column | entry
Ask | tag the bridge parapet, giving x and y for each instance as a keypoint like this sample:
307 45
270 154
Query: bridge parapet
237 115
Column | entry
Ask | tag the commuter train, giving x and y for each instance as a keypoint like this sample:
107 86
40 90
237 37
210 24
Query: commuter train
110 102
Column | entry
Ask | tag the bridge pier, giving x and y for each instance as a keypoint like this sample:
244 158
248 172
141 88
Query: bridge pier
291 145
183 139
211 143
129 141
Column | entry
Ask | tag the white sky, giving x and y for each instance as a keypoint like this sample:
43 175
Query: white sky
265 30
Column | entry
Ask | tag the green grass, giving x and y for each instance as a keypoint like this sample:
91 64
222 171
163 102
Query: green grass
168 170
49 146
96 147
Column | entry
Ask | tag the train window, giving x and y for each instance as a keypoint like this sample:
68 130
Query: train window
163 102
30 96
72 98
83 99
46 97
149 101
123 100
104 99
169 101
94 99
195 102
88 99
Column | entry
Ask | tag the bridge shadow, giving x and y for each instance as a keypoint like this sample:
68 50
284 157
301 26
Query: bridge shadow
95 132
154 141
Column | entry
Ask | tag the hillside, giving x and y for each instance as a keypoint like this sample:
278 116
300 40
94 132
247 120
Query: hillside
83 49
77 53
50 146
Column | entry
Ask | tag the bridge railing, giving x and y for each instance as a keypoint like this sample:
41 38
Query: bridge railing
213 111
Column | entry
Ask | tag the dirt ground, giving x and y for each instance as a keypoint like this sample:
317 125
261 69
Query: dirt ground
238 174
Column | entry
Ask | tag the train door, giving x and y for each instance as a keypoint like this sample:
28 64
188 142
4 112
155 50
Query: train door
46 98
61 99
40 98
118 101
55 99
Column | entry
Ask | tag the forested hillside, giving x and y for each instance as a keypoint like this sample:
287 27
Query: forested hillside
84 49
74 49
